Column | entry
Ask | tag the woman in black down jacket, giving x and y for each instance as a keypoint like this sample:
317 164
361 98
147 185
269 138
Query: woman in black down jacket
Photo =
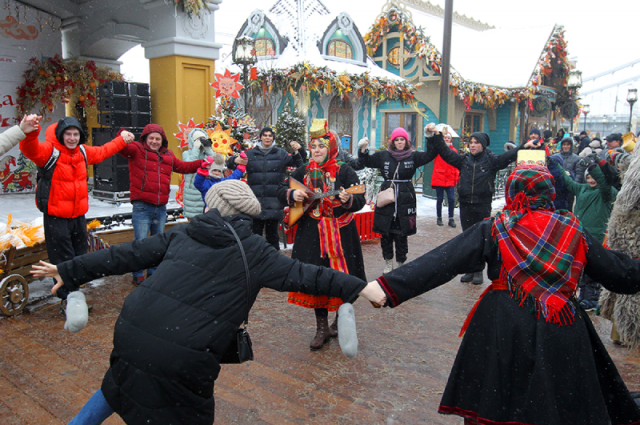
175 327
396 221
266 169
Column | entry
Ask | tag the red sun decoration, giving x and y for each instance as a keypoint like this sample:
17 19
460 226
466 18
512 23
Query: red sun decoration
227 84
185 129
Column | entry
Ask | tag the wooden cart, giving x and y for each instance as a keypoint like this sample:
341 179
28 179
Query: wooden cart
15 278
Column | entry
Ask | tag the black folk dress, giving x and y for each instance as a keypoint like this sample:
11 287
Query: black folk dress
515 368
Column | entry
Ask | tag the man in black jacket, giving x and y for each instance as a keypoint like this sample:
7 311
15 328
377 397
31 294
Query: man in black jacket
176 326
266 167
476 187
584 141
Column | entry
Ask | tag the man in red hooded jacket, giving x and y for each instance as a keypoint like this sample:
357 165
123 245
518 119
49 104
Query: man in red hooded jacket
67 200
151 163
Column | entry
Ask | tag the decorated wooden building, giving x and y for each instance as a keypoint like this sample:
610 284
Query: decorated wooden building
503 82
317 62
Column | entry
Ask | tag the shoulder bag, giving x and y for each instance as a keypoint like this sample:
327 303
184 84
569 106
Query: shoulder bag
240 350
387 196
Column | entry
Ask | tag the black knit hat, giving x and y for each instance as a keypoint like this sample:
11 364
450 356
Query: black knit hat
266 130
483 138
535 131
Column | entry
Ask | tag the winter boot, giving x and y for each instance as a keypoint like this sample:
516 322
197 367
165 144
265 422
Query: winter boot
439 221
322 333
399 264
388 266
478 278
333 329
452 222
467 277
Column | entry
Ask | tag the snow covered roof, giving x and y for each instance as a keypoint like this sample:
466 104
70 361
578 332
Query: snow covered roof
301 25
496 57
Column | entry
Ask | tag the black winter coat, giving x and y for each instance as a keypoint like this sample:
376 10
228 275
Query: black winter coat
306 247
265 172
512 366
477 172
175 327
403 211
584 142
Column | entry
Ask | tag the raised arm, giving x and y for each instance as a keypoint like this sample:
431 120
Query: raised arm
437 146
614 270
184 167
97 154
571 185
607 192
466 253
370 161
503 160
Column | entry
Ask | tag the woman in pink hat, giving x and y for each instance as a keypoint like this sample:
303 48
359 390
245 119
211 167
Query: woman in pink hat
397 220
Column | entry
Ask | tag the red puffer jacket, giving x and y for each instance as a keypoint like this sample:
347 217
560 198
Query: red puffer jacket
444 175
150 172
69 194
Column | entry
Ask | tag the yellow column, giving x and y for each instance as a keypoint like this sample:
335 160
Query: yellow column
180 91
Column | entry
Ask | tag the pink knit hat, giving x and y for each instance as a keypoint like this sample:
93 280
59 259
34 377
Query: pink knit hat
400 132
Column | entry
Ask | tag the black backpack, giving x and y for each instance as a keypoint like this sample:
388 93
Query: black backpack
43 181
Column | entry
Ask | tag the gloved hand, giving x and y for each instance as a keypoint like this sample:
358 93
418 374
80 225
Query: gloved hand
363 144
242 167
77 312
591 158
197 144
430 129
204 167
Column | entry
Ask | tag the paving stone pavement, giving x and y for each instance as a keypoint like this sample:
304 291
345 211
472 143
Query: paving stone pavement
403 361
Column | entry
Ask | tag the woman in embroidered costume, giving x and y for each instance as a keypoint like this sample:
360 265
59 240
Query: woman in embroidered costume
530 354
326 234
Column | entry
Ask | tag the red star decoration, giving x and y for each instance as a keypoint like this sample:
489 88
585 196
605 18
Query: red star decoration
185 129
227 84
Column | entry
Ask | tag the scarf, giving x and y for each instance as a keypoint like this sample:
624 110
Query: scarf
543 251
400 155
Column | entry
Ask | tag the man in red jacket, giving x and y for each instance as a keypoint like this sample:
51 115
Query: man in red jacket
444 179
151 163
64 194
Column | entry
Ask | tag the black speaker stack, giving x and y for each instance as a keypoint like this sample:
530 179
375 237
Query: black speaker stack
120 105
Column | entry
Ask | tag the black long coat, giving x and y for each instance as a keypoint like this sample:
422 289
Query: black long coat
175 327
513 367
404 209
306 247
265 172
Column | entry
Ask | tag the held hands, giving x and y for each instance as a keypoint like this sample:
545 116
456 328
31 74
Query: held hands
204 167
127 136
30 123
531 144
363 144
295 146
48 270
374 293
344 196
430 128
240 160
243 167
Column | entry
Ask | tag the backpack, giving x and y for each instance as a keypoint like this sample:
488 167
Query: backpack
43 181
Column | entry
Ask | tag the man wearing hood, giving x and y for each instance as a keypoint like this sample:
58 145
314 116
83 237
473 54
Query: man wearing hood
476 186
151 163
63 194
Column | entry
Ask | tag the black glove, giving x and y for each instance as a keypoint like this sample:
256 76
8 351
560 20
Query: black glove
592 158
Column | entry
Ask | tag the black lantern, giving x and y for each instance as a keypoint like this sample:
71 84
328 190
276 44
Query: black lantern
585 111
244 53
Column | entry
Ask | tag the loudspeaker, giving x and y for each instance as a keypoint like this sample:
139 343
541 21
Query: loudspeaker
112 174
139 89
111 88
124 119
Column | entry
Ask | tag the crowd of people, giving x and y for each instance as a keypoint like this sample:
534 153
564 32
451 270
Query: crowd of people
529 352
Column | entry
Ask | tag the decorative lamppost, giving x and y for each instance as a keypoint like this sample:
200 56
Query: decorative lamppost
244 53
585 111
632 97
574 82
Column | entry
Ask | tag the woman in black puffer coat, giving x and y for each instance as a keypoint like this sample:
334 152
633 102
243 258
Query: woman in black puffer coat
396 221
175 327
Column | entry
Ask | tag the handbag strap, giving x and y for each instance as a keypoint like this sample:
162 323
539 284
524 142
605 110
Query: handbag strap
246 268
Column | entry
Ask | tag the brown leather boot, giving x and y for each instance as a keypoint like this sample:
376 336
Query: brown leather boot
322 333
333 329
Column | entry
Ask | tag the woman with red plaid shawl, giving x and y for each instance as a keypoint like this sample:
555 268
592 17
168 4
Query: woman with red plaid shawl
530 354
327 234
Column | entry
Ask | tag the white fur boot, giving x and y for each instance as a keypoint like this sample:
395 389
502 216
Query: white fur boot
348 337
388 266
77 312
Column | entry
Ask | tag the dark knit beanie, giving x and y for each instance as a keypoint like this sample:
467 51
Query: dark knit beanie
535 131
231 197
483 138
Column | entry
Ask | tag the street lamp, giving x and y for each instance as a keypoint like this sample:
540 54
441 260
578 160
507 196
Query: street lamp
585 111
632 97
574 82
244 53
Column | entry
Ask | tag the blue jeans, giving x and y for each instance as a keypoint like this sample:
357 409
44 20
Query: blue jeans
451 199
148 220
94 412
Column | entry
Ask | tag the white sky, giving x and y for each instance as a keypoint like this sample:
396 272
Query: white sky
601 35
